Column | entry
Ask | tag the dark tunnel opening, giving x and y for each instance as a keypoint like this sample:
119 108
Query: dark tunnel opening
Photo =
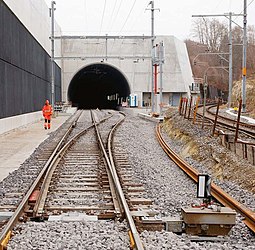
98 86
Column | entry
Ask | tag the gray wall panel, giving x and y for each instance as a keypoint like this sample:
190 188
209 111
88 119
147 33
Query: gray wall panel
25 69
2 90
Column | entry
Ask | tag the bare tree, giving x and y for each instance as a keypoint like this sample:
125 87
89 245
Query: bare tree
251 50
237 34
210 32
211 35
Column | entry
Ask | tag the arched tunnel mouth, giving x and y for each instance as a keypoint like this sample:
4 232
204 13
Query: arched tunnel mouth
98 85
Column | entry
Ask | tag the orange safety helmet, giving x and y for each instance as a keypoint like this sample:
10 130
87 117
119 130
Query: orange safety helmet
47 102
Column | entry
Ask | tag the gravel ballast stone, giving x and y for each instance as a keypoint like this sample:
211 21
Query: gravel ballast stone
165 184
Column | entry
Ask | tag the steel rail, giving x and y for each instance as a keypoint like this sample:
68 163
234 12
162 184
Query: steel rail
135 234
116 197
244 124
247 125
216 191
229 127
246 129
12 221
110 162
39 207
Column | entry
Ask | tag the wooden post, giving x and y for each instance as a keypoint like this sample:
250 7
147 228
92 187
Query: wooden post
190 106
186 107
195 111
183 106
253 159
216 116
238 120
180 106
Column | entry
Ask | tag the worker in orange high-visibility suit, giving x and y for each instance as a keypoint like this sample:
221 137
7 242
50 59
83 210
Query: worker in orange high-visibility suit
47 113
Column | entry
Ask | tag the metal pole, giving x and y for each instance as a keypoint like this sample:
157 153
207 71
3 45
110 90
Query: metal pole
155 78
244 57
205 91
230 61
106 47
230 80
152 45
52 55
161 75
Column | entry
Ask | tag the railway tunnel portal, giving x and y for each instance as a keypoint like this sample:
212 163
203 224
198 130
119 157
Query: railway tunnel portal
98 85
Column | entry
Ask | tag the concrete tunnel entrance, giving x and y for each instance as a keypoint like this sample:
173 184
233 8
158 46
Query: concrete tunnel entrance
98 86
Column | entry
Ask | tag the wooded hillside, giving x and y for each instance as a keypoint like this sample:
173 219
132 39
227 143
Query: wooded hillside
209 55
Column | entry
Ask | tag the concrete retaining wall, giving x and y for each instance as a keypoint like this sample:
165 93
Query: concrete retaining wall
10 123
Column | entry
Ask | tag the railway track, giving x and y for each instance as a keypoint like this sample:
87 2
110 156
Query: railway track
11 197
226 123
162 176
15 202
80 176
217 192
78 181
244 124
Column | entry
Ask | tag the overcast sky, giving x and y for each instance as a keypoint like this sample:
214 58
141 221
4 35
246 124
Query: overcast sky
130 17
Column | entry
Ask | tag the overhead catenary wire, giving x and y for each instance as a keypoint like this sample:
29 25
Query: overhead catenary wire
116 15
143 9
217 5
111 17
128 16
250 3
101 25
246 9
85 11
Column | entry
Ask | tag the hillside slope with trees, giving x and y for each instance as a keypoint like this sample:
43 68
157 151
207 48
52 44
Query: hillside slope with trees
209 54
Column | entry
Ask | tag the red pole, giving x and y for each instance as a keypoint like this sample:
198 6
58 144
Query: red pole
155 78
